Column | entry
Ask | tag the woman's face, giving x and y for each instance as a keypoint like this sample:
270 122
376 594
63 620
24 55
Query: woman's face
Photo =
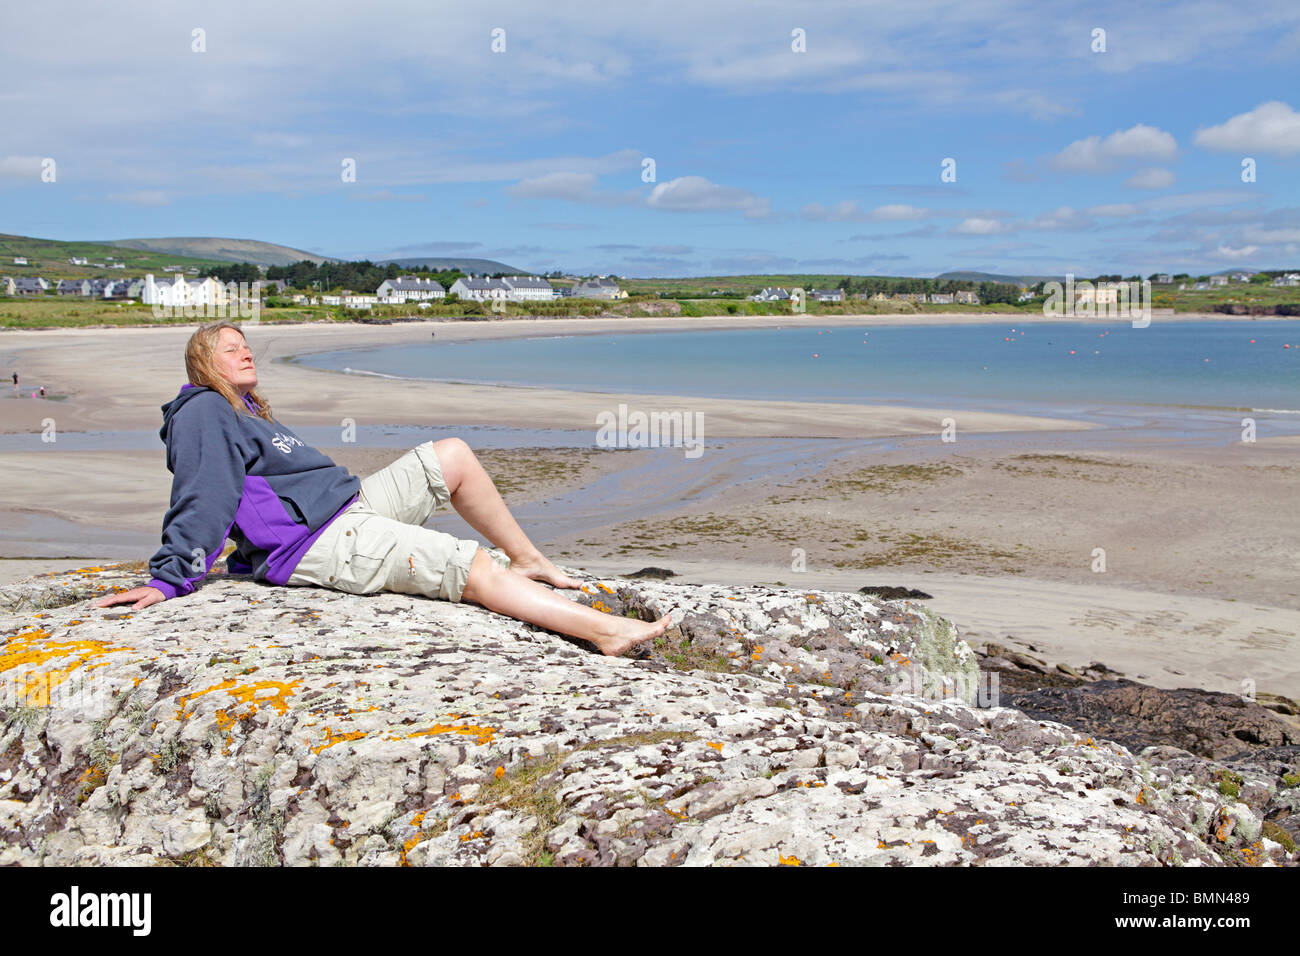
235 361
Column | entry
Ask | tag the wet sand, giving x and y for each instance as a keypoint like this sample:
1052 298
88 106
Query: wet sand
1200 543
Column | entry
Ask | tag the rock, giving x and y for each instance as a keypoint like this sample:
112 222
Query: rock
770 726
893 593
653 573
1208 724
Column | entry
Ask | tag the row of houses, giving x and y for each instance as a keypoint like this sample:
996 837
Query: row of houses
779 294
178 291
84 288
934 298
481 289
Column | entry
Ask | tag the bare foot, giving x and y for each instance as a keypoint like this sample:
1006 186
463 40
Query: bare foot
539 568
629 633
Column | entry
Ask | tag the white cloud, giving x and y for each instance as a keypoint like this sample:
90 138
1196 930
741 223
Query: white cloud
980 227
1114 210
20 167
571 187
1154 177
1272 127
1097 155
697 194
1063 217
1231 254
1265 235
848 210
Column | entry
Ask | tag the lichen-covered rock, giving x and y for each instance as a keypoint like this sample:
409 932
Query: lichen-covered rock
252 725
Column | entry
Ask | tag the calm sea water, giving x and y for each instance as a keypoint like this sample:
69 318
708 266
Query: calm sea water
1035 368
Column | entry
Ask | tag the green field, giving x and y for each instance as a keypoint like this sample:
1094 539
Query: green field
650 297
48 258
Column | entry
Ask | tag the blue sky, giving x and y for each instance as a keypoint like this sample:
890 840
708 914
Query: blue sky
766 158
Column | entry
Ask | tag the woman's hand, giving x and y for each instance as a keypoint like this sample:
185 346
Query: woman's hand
142 597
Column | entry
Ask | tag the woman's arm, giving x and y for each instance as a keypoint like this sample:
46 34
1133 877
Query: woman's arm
204 457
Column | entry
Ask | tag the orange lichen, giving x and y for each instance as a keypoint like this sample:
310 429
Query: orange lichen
30 649
485 734
602 606
499 772
791 860
717 747
247 694
607 590
332 738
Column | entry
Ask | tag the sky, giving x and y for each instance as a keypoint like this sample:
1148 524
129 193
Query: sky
1025 137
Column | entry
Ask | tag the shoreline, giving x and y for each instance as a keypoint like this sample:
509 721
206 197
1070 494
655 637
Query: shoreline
1198 568
103 400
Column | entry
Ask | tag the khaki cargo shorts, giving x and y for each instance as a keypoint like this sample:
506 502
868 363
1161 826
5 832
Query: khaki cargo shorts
378 544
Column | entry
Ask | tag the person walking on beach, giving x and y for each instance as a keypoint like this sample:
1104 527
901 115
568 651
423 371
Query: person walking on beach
15 384
298 519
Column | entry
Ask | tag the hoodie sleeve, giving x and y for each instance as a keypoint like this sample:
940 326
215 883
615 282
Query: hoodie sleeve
205 459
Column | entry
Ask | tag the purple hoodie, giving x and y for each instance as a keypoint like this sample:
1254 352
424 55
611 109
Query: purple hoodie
239 476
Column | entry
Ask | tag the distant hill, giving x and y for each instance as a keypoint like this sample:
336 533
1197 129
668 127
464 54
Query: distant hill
223 250
994 277
49 257
438 264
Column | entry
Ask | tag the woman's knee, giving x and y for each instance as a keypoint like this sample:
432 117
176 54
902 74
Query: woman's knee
452 455
483 573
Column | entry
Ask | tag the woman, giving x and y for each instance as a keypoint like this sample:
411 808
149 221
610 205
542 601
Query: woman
298 519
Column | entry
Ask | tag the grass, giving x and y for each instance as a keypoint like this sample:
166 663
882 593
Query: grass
526 471
934 548
1229 783
887 479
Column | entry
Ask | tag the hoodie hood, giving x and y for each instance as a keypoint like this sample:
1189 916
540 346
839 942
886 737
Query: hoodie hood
187 392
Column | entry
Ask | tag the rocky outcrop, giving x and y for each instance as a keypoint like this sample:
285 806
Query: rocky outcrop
252 725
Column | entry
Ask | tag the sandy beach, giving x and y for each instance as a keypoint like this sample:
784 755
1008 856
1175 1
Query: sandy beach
1003 529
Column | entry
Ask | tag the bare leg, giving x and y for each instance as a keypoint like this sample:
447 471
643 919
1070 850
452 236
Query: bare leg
477 500
497 589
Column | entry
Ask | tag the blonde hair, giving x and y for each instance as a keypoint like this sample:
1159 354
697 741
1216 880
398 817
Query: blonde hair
201 368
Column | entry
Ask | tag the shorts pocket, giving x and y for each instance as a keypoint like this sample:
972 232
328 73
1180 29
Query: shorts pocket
363 567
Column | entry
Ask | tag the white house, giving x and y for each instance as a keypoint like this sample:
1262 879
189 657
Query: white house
1164 278
1218 280
1091 296
408 288
528 288
467 287
179 293
20 260
828 295
770 295
77 261
360 301
599 288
